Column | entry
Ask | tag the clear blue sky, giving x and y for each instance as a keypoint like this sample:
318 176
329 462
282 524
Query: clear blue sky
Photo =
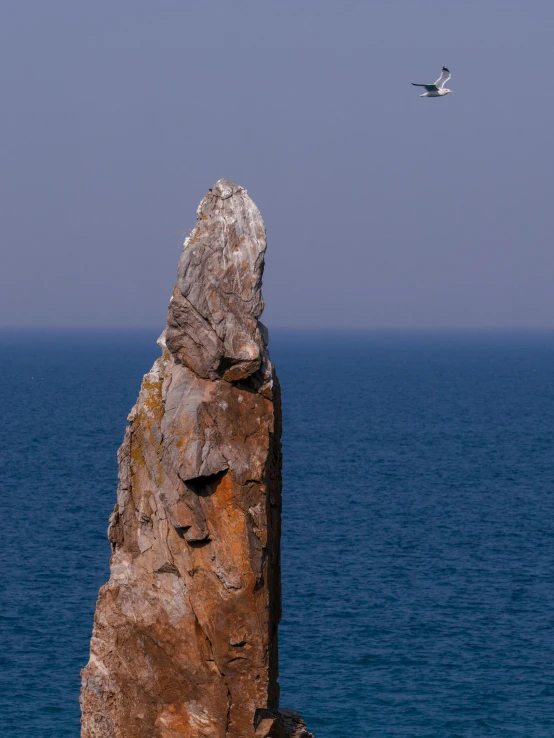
382 209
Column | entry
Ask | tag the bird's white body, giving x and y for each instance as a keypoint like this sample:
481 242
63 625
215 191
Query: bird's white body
438 93
437 89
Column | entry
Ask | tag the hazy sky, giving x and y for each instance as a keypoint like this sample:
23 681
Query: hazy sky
382 209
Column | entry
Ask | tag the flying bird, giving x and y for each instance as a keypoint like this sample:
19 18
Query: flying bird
438 89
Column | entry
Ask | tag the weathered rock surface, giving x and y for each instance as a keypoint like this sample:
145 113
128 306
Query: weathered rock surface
185 630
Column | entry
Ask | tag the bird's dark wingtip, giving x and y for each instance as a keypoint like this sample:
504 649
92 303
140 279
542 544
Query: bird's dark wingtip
444 69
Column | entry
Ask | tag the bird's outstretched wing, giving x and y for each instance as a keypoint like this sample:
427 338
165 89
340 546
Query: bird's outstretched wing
429 88
443 79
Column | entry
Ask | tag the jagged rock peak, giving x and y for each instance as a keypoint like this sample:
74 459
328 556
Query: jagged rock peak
212 323
184 643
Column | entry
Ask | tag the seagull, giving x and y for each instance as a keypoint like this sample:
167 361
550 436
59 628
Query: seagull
438 89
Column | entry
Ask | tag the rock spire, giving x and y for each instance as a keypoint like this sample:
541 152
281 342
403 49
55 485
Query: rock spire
185 631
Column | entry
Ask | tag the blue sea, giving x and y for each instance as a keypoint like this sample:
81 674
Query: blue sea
418 527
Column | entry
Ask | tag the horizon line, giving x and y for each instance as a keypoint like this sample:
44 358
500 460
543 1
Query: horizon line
294 329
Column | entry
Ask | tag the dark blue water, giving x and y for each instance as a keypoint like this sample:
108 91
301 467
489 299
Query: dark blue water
418 541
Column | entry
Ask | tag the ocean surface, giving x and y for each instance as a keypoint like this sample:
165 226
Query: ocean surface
418 532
